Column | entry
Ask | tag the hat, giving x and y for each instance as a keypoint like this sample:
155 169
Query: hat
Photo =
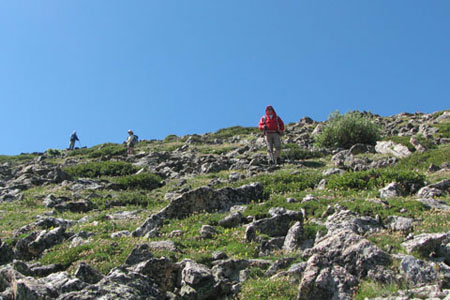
130 131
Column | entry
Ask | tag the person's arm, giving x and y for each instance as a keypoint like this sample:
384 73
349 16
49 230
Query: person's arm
262 124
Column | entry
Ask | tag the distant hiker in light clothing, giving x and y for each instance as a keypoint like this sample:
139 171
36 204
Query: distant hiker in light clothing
273 128
131 142
73 139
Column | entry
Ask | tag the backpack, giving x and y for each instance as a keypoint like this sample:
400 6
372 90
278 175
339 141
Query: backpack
135 140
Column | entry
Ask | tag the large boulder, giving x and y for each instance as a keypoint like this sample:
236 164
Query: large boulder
389 147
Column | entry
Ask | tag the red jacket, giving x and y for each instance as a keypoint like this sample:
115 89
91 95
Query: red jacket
274 124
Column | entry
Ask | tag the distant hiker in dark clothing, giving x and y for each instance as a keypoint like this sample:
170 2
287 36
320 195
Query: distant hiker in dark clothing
273 128
131 142
73 139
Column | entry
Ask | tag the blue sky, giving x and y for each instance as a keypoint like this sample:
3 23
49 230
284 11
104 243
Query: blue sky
182 67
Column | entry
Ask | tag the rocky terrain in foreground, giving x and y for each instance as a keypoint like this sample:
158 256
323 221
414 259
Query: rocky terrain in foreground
206 217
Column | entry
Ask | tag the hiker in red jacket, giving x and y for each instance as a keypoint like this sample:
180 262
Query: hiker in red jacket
273 128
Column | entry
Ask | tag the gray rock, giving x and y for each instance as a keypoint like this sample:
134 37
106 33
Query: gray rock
397 223
75 206
203 199
389 147
198 282
434 204
207 232
323 281
428 243
119 284
346 219
277 225
332 171
138 254
294 237
7 253
391 190
433 190
417 272
88 274
161 270
47 239
232 220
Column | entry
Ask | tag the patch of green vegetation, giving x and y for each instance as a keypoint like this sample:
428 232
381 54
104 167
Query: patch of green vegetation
371 289
344 131
284 182
216 149
434 221
375 179
170 138
444 129
193 246
14 215
234 131
102 254
104 168
388 241
146 181
258 287
14 159
421 161
293 151
411 207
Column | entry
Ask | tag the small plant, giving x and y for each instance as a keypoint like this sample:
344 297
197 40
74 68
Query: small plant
286 182
373 289
107 149
105 168
147 181
294 152
233 131
170 138
375 179
344 131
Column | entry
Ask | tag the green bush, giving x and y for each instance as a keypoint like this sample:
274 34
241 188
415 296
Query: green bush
17 158
107 149
170 138
444 130
285 182
233 131
294 152
346 130
105 168
375 179
146 181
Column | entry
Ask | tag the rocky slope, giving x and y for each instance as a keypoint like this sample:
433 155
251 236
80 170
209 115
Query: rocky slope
206 217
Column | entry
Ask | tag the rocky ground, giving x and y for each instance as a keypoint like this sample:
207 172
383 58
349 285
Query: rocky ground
206 217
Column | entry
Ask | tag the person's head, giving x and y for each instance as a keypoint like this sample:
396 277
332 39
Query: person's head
269 109
130 132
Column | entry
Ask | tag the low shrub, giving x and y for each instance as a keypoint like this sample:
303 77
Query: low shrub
444 130
107 149
233 131
286 182
147 181
170 138
344 131
375 179
105 168
294 152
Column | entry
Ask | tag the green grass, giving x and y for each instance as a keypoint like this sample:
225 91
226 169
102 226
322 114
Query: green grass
266 288
375 179
15 159
104 168
421 161
147 181
371 289
294 152
444 129
284 182
234 131
388 241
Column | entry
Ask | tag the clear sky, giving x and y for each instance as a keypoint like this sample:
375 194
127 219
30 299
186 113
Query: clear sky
101 67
